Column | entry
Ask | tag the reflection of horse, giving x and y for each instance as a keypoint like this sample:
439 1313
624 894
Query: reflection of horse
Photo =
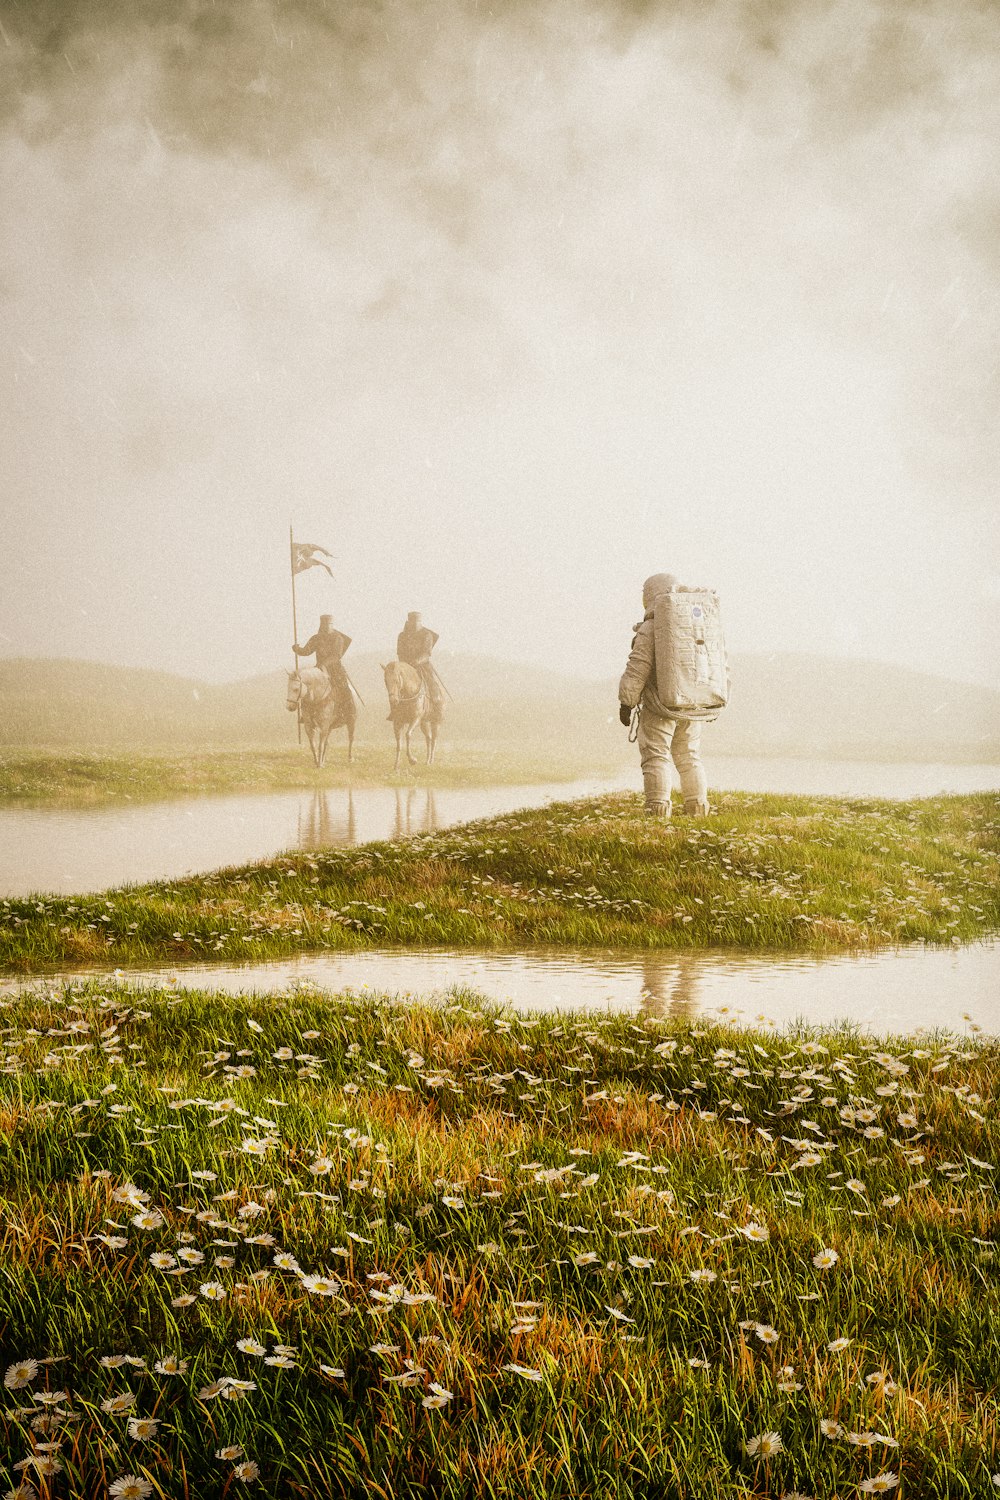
670 985
411 704
323 708
409 819
324 821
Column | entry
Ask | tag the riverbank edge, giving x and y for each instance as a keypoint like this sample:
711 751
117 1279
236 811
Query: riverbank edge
41 779
792 874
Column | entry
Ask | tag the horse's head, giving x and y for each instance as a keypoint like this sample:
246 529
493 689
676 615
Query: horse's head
294 692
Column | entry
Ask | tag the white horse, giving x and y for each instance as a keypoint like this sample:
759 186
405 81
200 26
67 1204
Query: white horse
323 709
410 704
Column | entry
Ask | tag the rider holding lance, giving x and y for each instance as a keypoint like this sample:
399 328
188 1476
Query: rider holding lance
414 645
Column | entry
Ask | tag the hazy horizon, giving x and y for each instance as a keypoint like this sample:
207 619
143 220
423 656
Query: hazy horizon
507 309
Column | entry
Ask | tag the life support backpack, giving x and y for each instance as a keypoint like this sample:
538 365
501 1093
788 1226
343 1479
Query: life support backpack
692 667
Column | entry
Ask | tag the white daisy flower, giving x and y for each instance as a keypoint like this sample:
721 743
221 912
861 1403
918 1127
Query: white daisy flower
20 1374
130 1487
767 1444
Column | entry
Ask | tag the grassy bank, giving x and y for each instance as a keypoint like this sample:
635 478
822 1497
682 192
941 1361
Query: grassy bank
764 872
89 780
369 1250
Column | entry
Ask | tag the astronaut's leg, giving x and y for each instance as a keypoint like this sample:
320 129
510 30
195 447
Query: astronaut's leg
653 740
686 750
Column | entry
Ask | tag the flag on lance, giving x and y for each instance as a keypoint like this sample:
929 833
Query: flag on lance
304 556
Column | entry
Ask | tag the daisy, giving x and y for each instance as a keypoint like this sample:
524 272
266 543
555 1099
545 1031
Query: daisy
212 1291
22 1491
116 1405
333 1371
213 1389
185 1300
151 1220
523 1371
640 1262
142 1428
130 1487
321 1286
879 1484
160 1260
756 1232
43 1463
825 1259
251 1346
20 1374
170 1364
233 1452
766 1333
702 1273
246 1471
767 1444
830 1428
837 1346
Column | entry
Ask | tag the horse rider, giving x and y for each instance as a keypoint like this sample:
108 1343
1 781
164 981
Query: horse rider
329 646
414 645
662 737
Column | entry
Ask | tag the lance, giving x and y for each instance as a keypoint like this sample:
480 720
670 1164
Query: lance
353 689
438 676
295 625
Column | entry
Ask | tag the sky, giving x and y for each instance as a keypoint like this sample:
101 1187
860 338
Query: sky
508 305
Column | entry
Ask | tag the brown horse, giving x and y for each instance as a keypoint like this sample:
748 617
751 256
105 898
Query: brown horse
411 704
323 709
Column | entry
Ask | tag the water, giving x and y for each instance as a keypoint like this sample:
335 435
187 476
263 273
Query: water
899 990
76 850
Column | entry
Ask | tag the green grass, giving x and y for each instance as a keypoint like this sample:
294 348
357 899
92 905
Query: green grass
90 780
766 872
564 1196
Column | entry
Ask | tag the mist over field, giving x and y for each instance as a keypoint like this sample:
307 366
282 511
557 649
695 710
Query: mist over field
825 708
508 307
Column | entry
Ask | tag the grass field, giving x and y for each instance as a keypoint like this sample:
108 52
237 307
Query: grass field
313 1246
766 872
89 780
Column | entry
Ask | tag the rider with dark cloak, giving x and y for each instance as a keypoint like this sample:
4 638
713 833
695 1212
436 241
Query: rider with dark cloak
329 646
414 645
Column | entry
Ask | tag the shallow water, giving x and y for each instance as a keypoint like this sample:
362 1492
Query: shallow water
74 850
899 990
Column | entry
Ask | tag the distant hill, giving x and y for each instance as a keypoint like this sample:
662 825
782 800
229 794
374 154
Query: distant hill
782 705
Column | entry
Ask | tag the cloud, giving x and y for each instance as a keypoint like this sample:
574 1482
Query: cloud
519 303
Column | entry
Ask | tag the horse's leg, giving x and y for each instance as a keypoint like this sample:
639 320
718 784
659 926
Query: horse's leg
396 727
350 743
409 753
431 742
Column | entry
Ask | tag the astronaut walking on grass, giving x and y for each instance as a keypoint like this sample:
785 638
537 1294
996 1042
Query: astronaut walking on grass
677 679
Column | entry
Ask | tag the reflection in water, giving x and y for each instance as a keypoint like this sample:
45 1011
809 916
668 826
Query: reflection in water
75 850
899 990
325 821
416 812
670 986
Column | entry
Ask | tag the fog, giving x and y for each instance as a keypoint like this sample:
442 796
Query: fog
508 307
